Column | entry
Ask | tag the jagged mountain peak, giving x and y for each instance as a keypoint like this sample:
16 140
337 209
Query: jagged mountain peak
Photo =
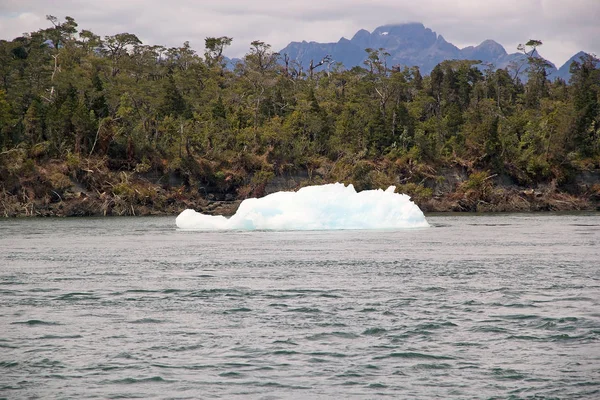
493 46
409 44
564 72
405 29
363 33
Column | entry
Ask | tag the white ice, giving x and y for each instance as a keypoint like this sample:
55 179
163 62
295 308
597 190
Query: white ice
326 207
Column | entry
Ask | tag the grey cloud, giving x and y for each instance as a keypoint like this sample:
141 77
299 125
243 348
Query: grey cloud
565 27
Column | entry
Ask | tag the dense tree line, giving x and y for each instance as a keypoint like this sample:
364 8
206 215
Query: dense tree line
68 94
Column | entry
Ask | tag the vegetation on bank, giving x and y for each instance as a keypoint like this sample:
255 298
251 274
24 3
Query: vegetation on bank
92 126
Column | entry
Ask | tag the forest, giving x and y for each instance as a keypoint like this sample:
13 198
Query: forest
112 126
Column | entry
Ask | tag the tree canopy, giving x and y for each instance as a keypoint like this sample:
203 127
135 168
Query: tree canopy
68 94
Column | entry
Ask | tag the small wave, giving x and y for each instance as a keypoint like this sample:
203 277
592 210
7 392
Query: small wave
264 368
507 374
565 337
324 335
374 331
332 324
129 381
280 385
215 292
549 325
187 348
8 364
147 321
12 283
518 316
467 344
377 386
434 289
435 325
328 354
231 374
46 362
433 366
78 296
34 322
514 305
489 329
413 355
44 290
287 341
284 296
237 310
280 305
125 355
284 352
58 376
236 365
330 296
61 337
193 367
524 337
350 374
310 310
141 291
576 298
169 291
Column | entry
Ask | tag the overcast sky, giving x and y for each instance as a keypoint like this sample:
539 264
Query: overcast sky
564 26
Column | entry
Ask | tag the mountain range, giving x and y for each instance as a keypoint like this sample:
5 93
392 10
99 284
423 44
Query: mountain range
410 44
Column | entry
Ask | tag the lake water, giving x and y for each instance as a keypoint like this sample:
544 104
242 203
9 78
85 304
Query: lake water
503 306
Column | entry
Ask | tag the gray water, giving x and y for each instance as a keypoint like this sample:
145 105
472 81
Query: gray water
503 306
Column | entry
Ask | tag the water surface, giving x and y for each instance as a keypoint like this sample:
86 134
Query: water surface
503 306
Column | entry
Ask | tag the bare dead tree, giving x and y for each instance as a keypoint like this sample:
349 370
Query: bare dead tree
313 66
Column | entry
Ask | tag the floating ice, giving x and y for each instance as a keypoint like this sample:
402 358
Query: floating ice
325 207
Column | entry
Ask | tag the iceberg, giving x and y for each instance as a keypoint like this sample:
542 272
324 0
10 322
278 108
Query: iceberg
325 207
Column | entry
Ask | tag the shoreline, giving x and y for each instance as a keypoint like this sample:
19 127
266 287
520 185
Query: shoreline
509 201
89 187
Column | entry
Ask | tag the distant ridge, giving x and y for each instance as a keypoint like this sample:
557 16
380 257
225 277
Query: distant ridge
411 44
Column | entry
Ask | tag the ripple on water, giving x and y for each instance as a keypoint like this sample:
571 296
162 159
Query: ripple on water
232 374
413 355
47 337
77 296
432 366
507 374
309 310
237 310
284 352
147 321
328 354
8 364
374 331
268 315
490 329
130 381
191 367
435 325
34 322
336 334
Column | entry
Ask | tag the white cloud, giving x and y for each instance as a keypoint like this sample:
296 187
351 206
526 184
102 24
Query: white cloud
565 27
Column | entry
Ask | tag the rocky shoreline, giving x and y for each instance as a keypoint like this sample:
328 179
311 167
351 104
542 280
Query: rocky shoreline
172 202
95 187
